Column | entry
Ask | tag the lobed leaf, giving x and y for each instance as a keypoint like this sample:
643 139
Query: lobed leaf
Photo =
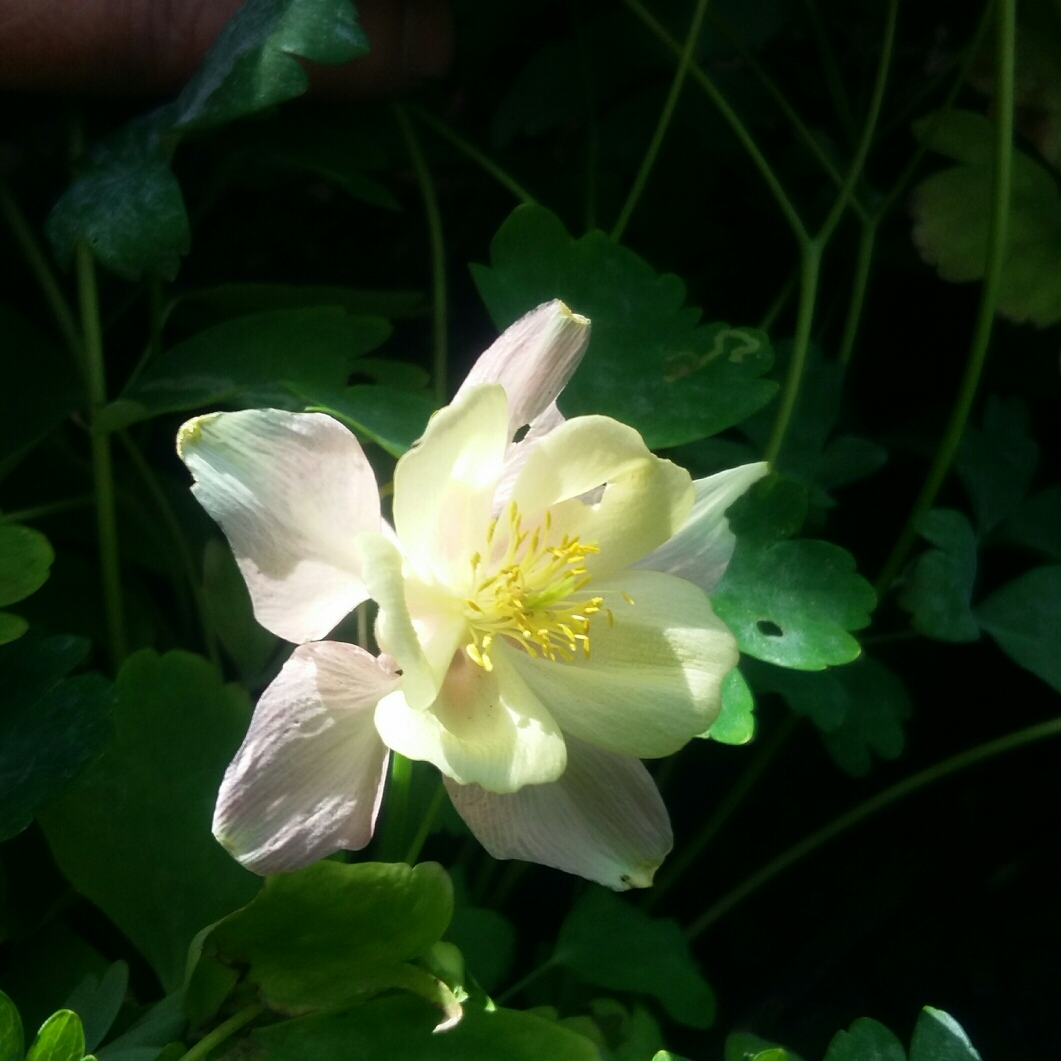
61 1038
939 1037
736 721
26 558
133 835
650 363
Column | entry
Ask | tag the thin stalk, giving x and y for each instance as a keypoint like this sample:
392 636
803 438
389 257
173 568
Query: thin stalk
684 61
52 508
867 241
223 1031
831 67
773 311
42 272
723 812
519 985
871 806
738 128
426 823
102 468
996 246
480 158
179 541
810 270
438 251
394 825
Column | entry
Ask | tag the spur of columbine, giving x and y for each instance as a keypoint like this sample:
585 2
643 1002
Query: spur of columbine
544 620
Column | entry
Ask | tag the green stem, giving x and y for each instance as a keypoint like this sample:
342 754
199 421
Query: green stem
46 279
810 269
472 152
723 812
52 508
773 311
684 61
996 246
424 829
102 468
831 68
394 826
179 541
738 128
223 1031
867 240
519 985
871 806
438 250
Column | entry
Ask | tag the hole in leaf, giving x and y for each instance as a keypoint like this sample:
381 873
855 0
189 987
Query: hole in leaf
521 434
769 629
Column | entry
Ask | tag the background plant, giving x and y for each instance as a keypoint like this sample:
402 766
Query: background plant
869 827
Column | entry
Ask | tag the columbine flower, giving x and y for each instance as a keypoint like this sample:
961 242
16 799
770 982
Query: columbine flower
544 619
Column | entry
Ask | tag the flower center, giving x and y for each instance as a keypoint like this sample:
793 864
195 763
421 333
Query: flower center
526 598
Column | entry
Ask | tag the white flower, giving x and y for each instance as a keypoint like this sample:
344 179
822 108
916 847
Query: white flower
543 618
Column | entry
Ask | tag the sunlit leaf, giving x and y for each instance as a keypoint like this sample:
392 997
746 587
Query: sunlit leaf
736 722
60 1039
331 935
938 589
51 726
939 1037
952 211
789 601
133 835
650 363
400 1028
1024 617
608 942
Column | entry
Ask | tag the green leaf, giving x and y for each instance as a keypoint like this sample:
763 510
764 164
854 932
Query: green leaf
789 602
938 589
358 927
25 561
666 1055
610 943
41 387
859 708
161 1024
133 835
867 1040
400 1028
393 419
254 64
51 727
744 1046
650 363
996 462
939 1037
736 722
11 1040
1024 617
952 210
96 1000
126 204
1037 523
231 613
60 1039
202 307
250 362
487 940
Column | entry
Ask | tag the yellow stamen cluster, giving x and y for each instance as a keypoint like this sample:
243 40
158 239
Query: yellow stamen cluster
524 597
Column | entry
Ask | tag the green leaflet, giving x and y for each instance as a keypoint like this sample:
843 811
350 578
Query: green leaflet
939 1037
177 726
866 1040
125 202
608 942
789 601
61 1038
1024 617
938 589
51 726
11 1041
25 562
1037 523
650 363
951 210
736 722
328 936
400 1028
393 419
